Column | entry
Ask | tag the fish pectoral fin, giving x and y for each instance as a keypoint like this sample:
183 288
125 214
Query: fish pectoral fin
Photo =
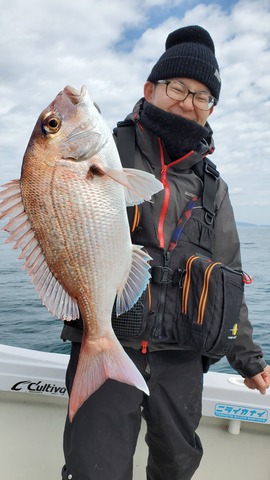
139 185
49 290
136 282
99 360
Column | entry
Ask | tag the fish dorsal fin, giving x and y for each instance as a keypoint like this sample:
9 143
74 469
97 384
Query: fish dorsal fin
136 282
52 294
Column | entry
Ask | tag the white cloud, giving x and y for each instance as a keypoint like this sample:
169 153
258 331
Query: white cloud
111 47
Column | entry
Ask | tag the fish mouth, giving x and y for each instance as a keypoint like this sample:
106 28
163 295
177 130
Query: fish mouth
75 95
82 134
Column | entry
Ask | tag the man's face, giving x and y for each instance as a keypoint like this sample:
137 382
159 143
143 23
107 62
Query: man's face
155 93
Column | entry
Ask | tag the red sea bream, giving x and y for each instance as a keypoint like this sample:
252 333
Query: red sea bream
68 216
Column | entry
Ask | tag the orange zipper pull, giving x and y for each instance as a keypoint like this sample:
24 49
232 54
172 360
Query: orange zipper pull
144 345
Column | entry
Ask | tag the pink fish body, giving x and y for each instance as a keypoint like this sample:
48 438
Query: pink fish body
68 216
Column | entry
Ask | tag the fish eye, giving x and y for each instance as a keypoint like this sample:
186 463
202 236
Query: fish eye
51 124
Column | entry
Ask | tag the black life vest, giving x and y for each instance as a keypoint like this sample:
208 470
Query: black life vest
152 318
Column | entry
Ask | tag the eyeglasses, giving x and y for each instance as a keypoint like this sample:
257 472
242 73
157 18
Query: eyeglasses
179 91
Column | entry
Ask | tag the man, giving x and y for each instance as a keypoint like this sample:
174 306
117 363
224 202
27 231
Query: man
171 136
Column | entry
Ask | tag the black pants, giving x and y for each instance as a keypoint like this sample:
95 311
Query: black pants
100 442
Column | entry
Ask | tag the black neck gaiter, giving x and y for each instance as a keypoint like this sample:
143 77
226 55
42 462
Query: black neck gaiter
178 134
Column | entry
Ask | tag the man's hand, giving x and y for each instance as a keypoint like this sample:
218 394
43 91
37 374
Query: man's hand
259 382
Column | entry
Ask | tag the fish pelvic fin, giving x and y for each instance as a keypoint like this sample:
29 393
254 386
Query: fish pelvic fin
139 185
100 360
50 291
136 282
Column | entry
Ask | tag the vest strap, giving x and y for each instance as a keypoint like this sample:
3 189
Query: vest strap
161 275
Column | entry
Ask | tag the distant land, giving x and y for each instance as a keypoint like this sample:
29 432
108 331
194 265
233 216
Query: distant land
245 224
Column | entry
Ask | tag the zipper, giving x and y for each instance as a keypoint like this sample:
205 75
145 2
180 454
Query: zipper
136 218
186 284
157 330
204 294
162 298
167 192
205 288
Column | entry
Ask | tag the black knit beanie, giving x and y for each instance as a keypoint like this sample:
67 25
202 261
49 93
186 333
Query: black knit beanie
190 53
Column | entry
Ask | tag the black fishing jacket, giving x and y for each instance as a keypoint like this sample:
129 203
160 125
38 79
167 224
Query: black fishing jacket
152 321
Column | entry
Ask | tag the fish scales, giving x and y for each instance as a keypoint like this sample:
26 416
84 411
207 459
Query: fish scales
76 240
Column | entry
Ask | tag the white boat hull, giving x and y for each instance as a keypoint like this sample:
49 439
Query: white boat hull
235 429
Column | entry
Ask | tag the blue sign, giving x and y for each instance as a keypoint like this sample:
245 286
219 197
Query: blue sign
239 412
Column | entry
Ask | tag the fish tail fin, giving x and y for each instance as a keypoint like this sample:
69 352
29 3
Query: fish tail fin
99 360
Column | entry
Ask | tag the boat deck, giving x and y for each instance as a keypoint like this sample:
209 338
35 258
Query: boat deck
226 456
31 443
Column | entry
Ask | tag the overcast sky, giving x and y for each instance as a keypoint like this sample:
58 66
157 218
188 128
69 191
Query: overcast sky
111 46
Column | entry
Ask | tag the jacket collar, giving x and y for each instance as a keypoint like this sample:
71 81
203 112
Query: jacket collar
148 141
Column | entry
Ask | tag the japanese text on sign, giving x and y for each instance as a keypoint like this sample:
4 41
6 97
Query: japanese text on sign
239 412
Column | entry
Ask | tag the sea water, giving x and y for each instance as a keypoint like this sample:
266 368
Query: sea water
26 323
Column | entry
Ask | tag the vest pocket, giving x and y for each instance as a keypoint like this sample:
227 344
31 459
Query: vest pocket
132 323
210 304
198 233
